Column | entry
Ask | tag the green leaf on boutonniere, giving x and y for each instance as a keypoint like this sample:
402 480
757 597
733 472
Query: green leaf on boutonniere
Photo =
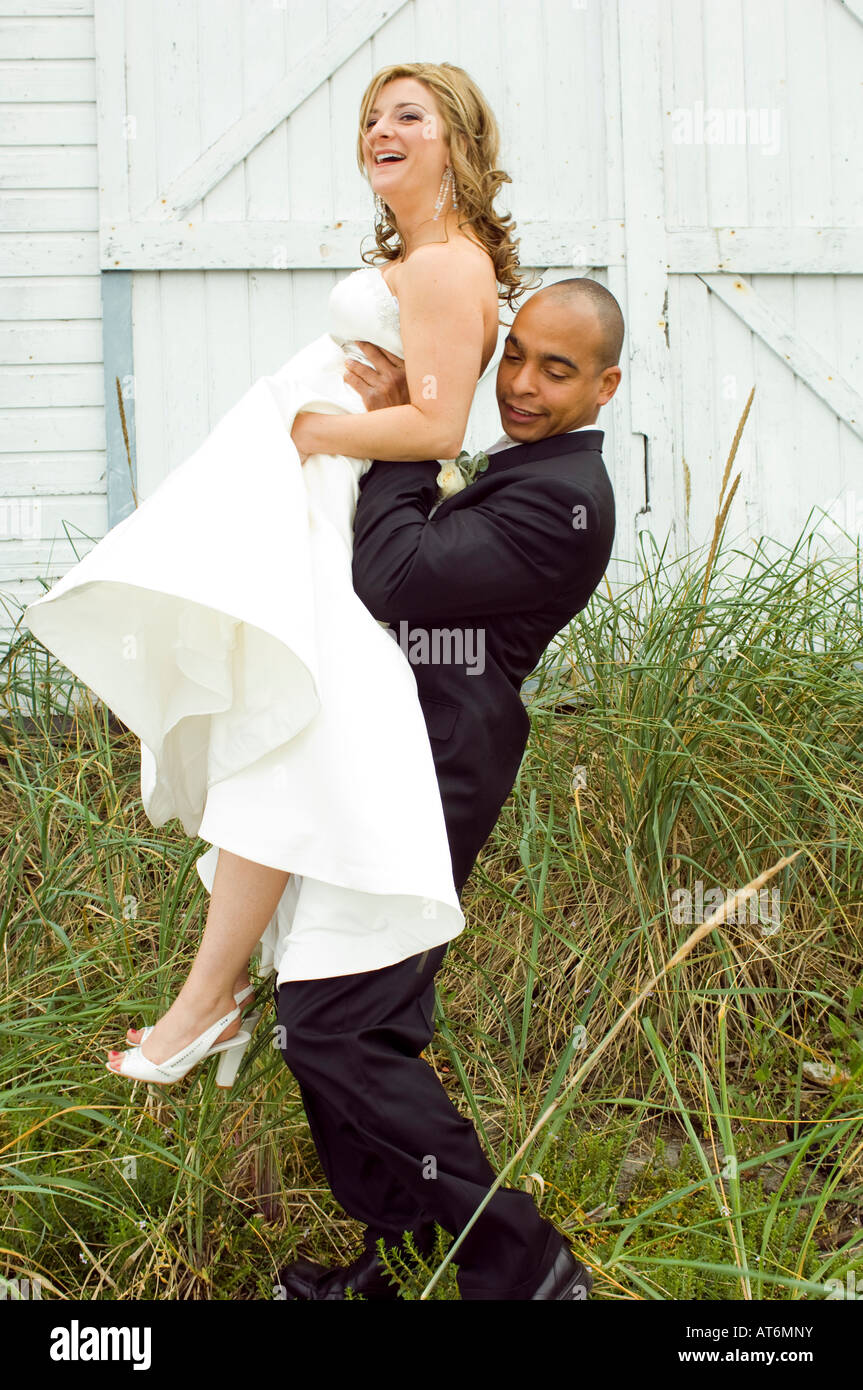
471 465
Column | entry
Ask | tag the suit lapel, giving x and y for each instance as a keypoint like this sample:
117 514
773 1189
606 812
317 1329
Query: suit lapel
555 446
552 447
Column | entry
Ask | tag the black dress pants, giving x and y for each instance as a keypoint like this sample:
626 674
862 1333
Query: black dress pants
396 1153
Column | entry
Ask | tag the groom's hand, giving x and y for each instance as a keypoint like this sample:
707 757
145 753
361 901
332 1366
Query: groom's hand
381 385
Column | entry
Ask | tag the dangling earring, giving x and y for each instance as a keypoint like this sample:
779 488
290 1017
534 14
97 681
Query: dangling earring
447 186
380 210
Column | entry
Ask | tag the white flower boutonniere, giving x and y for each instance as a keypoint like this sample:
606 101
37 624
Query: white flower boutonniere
458 473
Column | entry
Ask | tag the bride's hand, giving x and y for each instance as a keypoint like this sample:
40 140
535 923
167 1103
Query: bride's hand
300 434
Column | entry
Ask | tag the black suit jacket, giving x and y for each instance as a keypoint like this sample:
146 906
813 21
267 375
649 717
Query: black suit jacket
498 570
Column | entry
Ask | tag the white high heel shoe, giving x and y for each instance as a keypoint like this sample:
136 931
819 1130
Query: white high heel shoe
249 1022
135 1065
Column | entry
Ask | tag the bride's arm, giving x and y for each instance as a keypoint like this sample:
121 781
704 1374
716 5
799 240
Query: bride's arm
440 303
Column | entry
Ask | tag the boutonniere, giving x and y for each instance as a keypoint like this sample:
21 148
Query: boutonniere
459 472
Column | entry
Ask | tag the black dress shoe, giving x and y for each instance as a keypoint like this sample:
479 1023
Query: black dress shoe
304 1279
366 1275
566 1278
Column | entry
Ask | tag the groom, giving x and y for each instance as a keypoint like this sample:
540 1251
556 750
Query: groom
500 567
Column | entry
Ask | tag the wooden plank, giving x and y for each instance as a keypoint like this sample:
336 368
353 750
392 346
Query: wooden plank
724 90
51 210
308 175
353 198
50 80
807 115
45 386
183 343
728 376
694 409
822 250
45 8
176 30
623 458
813 315
152 429
777 333
140 137
48 123
67 531
393 38
203 173
685 162
228 345
112 126
263 172
48 253
304 244
783 465
50 297
31 431
59 166
766 85
536 148
318 245
845 57
580 187
34 36
120 471
40 474
642 105
57 340
849 462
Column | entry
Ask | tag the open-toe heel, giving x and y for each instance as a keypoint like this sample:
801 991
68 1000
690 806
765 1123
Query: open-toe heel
137 1067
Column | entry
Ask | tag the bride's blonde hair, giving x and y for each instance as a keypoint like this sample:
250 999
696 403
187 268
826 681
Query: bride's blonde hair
474 157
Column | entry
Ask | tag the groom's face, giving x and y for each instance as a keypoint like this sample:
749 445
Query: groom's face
551 378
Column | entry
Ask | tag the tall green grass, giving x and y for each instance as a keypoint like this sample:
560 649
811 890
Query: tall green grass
684 1142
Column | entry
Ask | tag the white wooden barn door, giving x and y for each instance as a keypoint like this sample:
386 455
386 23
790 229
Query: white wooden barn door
741 126
231 202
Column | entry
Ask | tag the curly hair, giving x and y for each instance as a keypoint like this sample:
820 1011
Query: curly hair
474 163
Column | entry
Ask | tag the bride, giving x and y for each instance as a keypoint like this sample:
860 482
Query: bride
278 720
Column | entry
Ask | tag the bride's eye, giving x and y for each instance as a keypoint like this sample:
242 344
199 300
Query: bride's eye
405 116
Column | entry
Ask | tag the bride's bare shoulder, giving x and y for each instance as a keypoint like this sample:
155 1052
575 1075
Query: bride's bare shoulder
460 262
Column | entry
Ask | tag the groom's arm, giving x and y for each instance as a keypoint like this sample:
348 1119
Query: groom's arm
504 555
508 553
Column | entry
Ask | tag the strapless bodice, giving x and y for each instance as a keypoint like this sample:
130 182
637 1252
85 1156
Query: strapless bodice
362 308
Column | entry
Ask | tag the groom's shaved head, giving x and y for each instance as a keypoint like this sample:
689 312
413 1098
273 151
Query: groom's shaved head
607 309
560 360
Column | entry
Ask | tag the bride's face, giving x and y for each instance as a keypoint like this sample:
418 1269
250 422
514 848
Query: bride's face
405 121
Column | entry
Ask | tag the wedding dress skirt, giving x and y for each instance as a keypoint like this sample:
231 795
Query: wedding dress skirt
278 720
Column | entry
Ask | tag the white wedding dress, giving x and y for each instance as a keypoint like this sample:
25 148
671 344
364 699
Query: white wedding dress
278 720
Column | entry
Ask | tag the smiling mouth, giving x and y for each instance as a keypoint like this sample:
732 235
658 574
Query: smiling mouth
521 414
